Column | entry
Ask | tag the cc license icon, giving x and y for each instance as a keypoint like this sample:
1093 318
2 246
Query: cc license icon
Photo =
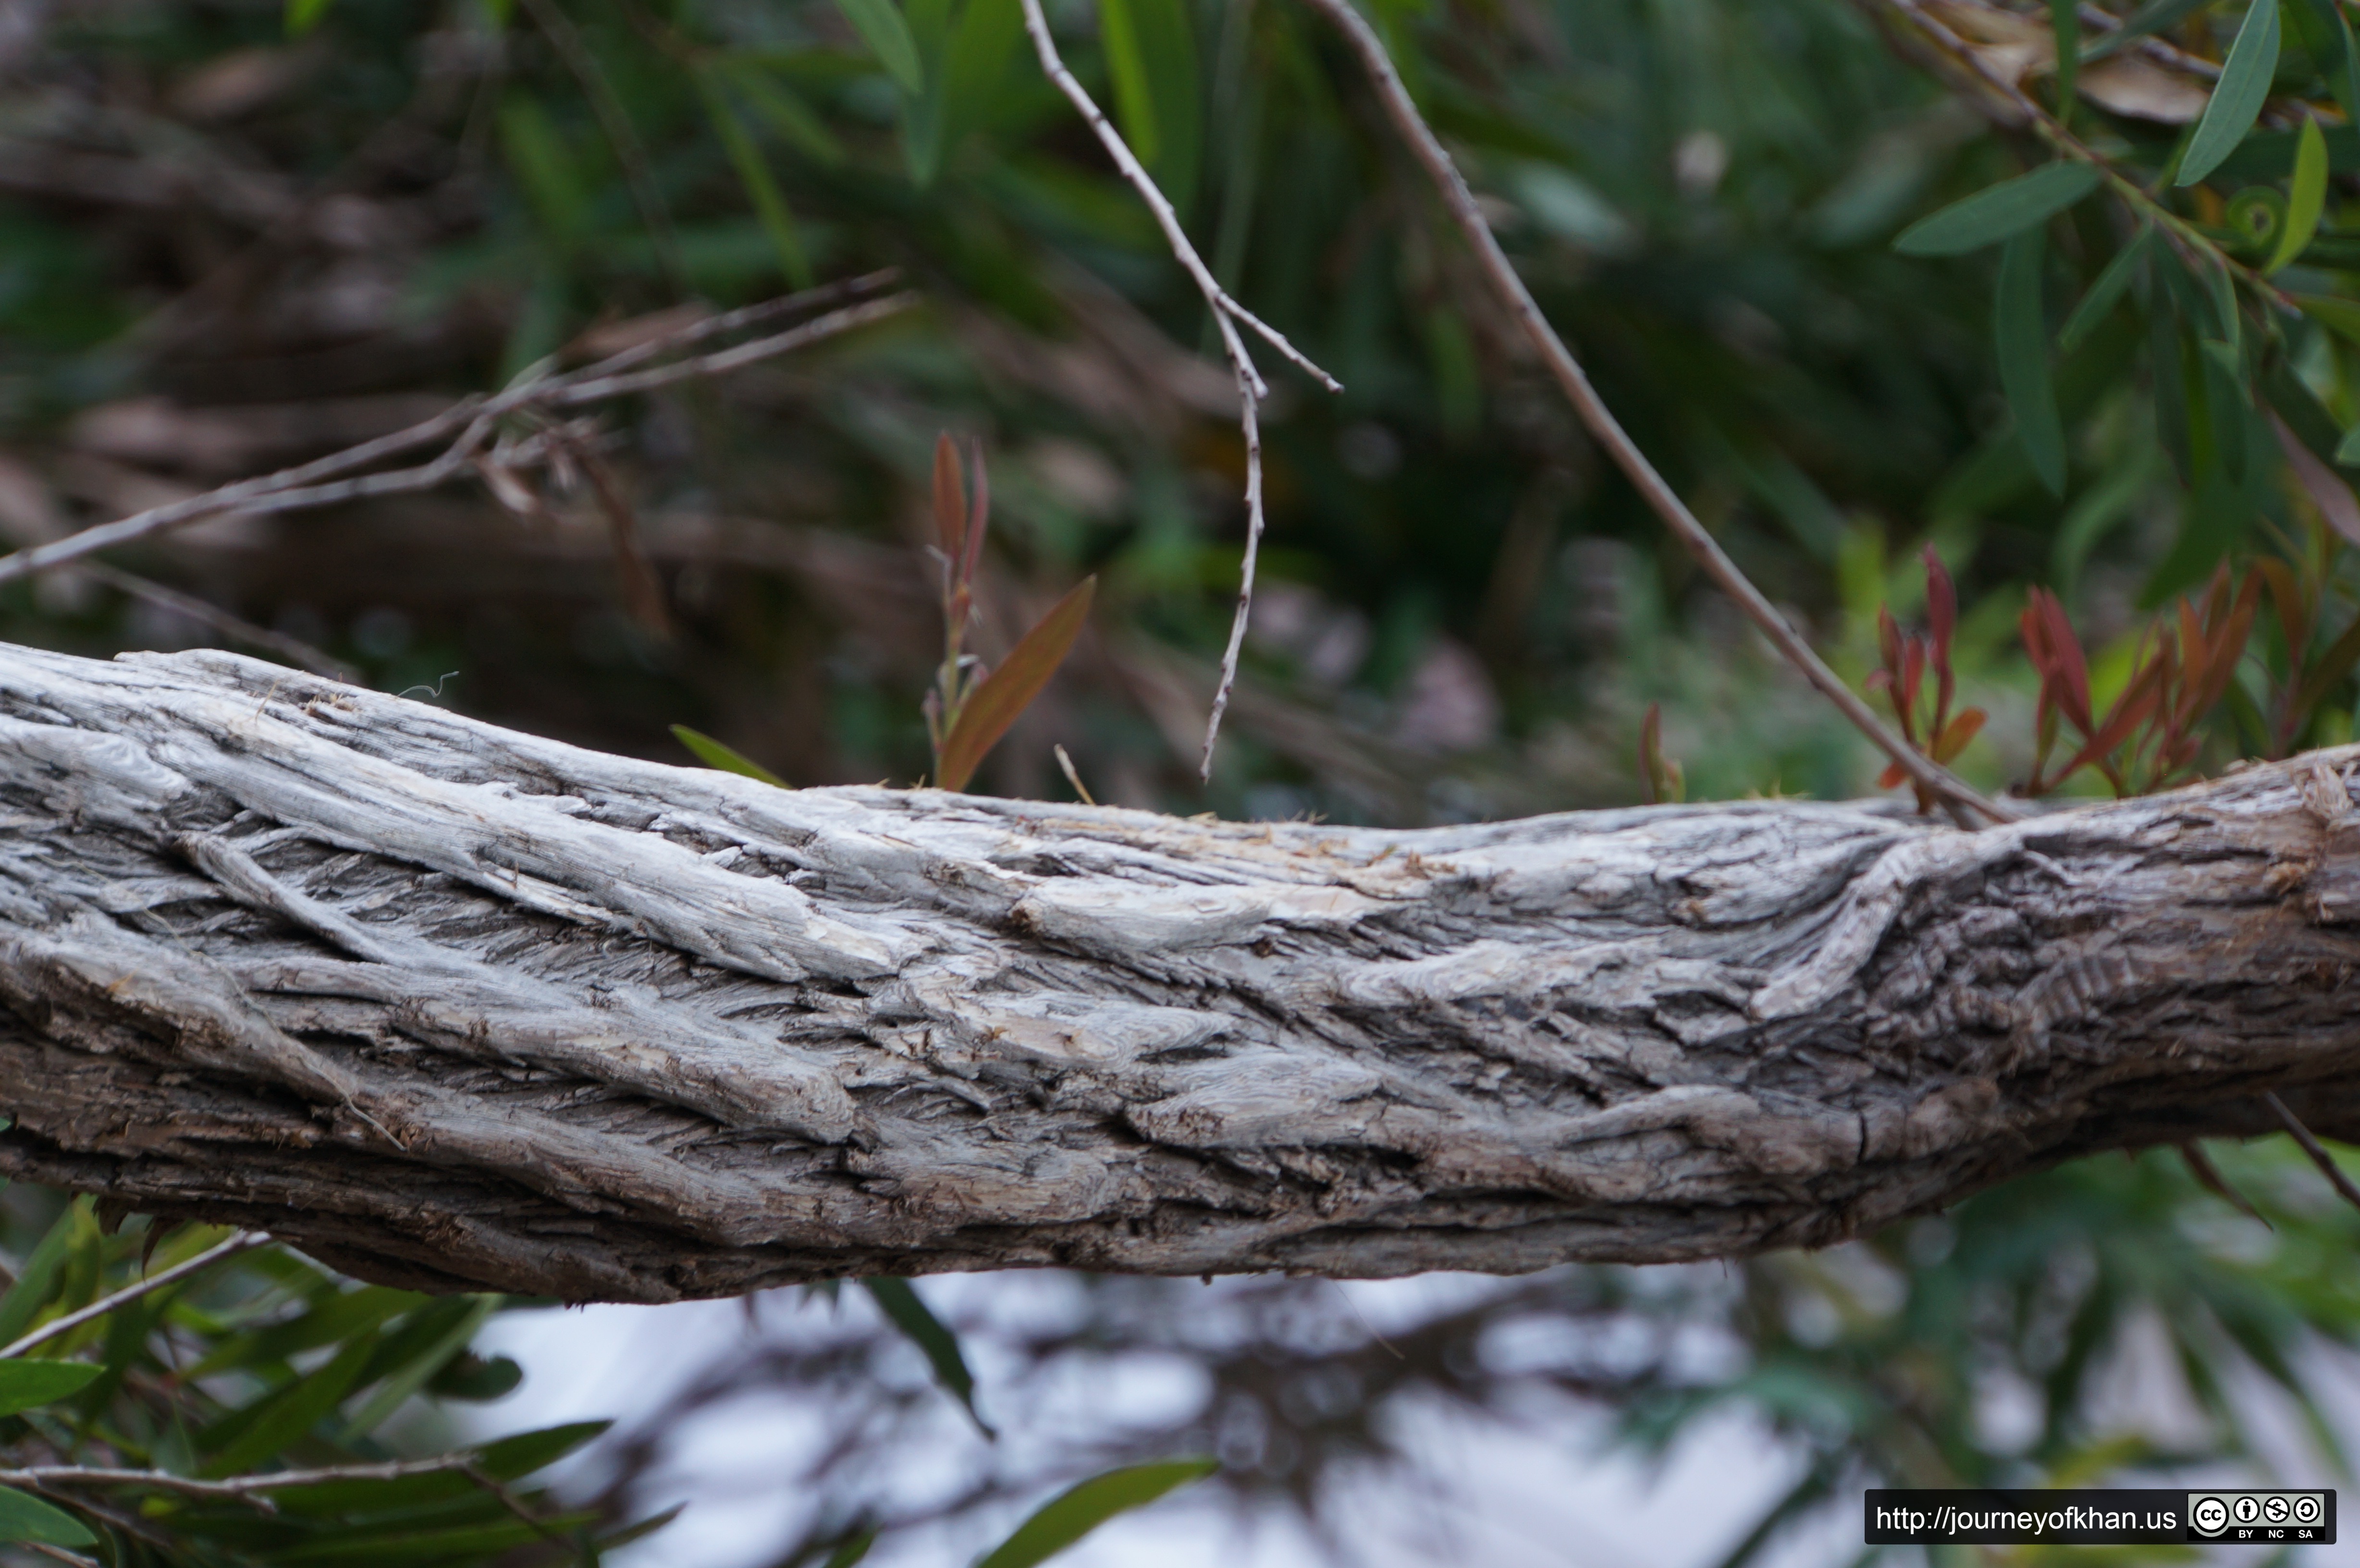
2247 1510
2209 1515
2276 1510
2308 1509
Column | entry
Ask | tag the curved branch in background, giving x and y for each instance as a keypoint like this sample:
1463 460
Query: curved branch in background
1228 315
1957 795
470 425
452 1007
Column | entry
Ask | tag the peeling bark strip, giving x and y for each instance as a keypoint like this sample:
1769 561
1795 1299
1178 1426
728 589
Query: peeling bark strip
452 1007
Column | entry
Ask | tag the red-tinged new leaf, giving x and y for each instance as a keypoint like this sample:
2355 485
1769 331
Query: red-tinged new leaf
979 514
2133 708
1007 692
1893 777
1888 640
1941 604
1878 680
2294 610
1957 733
1913 676
2049 637
950 500
1651 748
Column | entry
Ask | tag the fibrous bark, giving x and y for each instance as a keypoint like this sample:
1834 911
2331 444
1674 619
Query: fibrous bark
450 1005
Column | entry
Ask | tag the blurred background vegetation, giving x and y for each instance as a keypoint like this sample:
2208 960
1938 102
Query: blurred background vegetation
237 233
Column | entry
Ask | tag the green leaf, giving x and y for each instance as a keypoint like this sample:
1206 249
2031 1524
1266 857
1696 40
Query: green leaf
923 127
1078 1510
2021 333
537 154
2306 199
2347 451
712 754
38 1280
249 1436
2065 25
785 111
2105 292
2327 38
853 1549
908 1312
2237 97
413 1354
29 1519
881 26
24 1384
1008 691
1998 212
302 16
1134 101
2338 315
770 202
975 69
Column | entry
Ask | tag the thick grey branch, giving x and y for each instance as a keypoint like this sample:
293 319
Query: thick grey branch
450 1005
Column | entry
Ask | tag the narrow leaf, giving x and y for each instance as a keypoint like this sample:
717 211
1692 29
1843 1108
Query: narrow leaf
950 499
1958 733
38 1279
754 174
908 1312
2237 97
853 1550
2065 23
25 1384
1134 101
302 16
2347 451
881 26
712 754
2105 292
1008 691
1078 1510
2306 199
1997 211
29 1519
2021 333
2328 40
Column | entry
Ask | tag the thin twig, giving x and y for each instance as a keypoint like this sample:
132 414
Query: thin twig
234 626
244 1241
1955 793
1227 314
1073 776
337 478
2311 1145
2208 1176
60 1554
465 1462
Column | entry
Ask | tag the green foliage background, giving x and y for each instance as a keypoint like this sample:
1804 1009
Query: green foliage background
232 235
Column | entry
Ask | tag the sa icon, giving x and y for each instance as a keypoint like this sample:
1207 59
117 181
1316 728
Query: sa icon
2209 1515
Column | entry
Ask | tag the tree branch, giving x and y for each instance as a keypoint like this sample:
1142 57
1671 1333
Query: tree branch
1402 110
452 1007
471 423
1227 316
249 1488
245 1241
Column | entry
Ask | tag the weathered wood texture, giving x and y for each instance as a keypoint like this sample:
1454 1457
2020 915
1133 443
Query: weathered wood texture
454 1007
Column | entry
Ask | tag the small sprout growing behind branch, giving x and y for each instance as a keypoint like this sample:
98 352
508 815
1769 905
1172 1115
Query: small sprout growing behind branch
1661 780
971 707
1927 722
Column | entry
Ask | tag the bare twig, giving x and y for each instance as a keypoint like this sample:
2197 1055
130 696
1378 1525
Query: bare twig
1073 776
470 422
2311 1145
1960 798
1228 315
236 628
60 1554
2208 1176
249 1488
244 1241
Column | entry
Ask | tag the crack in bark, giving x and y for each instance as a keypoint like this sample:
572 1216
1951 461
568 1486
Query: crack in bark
452 1007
